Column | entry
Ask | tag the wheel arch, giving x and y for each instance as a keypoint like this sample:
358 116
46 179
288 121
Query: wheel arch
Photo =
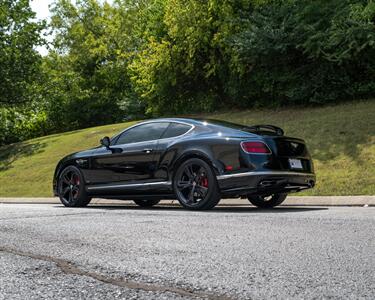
194 154
59 168
208 201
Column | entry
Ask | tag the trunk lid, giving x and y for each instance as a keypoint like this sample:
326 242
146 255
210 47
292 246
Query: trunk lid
290 153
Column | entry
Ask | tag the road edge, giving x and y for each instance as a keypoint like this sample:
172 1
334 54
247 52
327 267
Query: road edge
290 201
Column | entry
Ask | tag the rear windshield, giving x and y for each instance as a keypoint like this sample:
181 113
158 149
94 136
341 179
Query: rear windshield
227 124
260 131
232 125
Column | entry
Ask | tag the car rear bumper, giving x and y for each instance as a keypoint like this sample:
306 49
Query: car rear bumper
265 182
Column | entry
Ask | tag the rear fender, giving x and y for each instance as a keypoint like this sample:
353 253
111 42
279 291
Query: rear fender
196 154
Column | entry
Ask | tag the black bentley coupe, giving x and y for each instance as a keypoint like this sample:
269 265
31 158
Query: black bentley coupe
196 161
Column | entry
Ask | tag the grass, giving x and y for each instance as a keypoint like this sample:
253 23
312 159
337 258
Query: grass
341 140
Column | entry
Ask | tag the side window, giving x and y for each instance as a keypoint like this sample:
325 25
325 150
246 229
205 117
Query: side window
176 129
142 133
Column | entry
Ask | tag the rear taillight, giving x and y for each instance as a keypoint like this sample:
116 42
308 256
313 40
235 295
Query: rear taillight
255 147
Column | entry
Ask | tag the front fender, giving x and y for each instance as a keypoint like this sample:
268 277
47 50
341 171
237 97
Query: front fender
71 160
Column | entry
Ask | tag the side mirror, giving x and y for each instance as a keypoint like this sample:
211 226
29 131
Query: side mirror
106 142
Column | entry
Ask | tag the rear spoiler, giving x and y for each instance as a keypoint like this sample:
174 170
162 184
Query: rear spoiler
271 128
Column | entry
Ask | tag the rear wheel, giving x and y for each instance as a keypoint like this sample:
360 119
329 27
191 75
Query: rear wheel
267 201
71 188
195 185
146 203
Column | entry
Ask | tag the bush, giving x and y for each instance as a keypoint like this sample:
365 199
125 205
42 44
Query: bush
17 125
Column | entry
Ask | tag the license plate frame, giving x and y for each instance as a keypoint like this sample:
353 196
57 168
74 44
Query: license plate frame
295 164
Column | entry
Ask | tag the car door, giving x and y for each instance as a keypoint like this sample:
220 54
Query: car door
131 157
171 135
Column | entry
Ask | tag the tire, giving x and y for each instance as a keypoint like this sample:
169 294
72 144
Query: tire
146 203
71 188
195 185
267 201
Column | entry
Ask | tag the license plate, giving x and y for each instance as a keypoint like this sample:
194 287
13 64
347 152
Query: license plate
295 163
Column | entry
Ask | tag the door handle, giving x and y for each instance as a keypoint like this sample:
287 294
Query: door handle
147 150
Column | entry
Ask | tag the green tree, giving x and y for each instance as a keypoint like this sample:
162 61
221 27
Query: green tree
212 54
299 52
19 61
88 69
115 61
185 66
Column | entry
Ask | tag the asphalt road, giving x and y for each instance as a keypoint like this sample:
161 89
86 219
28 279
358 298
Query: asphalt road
48 251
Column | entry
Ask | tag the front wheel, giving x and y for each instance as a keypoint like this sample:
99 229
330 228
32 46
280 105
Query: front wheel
71 188
267 201
195 185
146 203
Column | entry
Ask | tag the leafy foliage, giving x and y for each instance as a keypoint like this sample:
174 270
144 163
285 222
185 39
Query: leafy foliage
216 54
19 61
131 58
87 71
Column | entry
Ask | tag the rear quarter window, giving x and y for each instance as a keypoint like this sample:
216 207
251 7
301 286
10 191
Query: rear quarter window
176 129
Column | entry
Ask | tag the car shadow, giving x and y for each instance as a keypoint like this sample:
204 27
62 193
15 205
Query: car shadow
217 209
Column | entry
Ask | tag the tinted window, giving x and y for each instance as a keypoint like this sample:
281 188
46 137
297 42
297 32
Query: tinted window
227 124
142 133
176 129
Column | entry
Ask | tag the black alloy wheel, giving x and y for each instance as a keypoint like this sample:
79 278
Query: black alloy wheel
146 203
71 188
195 185
268 201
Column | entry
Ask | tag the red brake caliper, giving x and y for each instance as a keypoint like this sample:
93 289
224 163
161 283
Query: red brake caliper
76 182
204 182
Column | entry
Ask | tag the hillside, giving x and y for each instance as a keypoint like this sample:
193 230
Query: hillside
341 139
